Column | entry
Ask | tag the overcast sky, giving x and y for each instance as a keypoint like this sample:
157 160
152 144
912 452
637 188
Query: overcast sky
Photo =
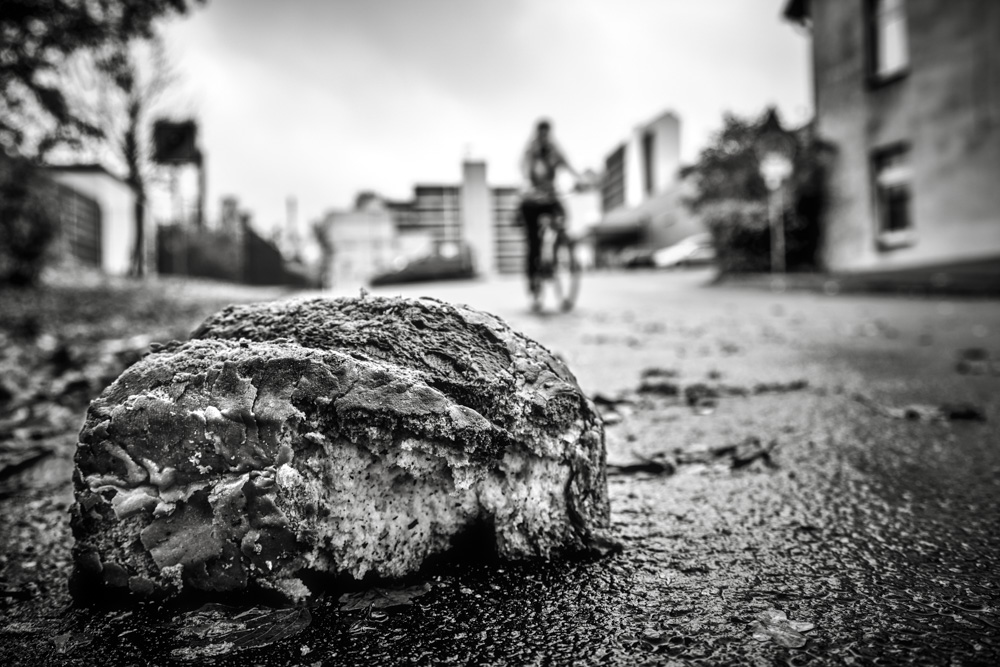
318 99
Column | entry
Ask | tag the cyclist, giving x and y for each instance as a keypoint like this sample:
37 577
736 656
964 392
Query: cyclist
540 165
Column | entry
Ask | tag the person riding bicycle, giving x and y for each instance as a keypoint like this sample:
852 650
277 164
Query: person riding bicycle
540 163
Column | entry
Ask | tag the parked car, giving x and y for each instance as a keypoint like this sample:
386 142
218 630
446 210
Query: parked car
449 261
637 258
692 251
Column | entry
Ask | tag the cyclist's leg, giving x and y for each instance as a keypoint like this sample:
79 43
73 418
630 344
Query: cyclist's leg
567 267
553 215
530 214
558 215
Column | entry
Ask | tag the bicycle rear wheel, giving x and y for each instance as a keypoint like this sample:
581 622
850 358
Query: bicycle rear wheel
565 273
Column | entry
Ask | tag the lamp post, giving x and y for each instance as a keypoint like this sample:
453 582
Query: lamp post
775 148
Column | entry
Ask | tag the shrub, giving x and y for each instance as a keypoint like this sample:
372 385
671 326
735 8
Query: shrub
741 235
28 223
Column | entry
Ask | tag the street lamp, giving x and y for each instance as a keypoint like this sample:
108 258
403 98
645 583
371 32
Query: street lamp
775 148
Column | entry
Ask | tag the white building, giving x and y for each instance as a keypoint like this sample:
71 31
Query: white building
477 217
363 242
116 200
641 192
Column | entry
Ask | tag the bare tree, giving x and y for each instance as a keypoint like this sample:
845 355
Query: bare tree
119 90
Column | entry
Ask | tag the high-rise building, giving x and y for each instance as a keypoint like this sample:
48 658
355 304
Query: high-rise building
641 193
643 165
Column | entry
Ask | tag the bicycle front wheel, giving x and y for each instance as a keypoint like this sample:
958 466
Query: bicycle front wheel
566 273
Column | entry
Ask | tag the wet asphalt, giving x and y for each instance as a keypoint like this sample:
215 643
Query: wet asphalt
795 478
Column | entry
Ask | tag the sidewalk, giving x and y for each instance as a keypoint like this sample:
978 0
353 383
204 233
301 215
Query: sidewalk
778 462
980 278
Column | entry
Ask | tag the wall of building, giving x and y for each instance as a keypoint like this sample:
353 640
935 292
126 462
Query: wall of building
946 109
641 194
511 248
477 217
364 243
645 165
117 201
439 211
79 240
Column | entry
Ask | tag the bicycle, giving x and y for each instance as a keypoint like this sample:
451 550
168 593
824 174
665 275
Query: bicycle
556 268
558 265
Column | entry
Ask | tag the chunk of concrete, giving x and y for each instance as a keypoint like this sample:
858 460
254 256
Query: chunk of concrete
352 437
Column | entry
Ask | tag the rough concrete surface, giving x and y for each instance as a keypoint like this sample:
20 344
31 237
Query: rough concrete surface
790 486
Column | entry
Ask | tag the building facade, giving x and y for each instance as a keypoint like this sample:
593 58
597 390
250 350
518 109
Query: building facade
641 203
508 231
908 94
643 165
471 212
478 225
440 218
112 236
362 242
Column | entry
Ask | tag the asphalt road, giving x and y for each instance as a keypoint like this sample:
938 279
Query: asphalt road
796 478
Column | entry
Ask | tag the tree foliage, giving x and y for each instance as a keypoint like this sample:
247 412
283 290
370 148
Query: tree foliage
731 195
36 39
728 168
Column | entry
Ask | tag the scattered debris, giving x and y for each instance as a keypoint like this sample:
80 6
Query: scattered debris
610 401
16 457
611 417
729 349
660 464
70 641
958 411
746 452
655 371
705 406
659 381
739 455
612 409
382 598
963 411
976 361
780 387
700 392
216 629
365 623
774 625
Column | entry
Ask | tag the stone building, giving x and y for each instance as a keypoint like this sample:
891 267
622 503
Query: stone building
908 94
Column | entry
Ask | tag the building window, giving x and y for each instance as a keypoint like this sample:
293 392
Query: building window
613 186
889 51
893 195
648 154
